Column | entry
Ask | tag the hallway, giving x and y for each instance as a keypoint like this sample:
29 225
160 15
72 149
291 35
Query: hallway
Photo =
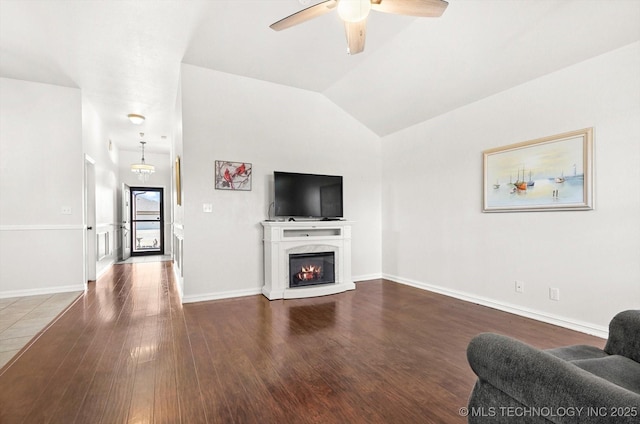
104 348
128 352
23 318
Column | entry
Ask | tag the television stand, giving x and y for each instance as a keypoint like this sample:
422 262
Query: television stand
284 239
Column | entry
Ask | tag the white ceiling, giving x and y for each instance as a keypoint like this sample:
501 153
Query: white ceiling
125 55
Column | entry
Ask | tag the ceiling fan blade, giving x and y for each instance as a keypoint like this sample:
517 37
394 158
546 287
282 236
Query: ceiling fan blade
424 8
356 32
304 15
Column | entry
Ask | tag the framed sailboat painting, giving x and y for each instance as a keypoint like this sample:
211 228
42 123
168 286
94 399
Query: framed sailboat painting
547 174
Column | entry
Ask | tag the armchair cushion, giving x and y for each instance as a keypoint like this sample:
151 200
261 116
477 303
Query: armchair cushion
572 353
617 369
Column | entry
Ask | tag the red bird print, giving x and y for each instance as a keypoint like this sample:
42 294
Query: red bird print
227 177
240 170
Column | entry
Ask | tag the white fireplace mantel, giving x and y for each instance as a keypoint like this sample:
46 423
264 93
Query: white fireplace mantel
282 238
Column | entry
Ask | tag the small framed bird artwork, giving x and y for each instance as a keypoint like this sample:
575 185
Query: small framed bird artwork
233 175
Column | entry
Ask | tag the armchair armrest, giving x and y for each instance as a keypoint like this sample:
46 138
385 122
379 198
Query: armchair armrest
538 379
624 335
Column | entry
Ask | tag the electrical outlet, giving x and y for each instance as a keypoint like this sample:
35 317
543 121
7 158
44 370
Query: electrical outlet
65 210
554 293
519 286
207 207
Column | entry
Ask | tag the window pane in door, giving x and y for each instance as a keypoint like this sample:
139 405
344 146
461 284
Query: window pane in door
147 205
146 236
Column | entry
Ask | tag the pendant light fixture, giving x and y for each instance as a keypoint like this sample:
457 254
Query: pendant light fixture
143 169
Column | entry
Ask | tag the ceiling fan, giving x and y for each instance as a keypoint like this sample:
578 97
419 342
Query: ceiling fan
354 14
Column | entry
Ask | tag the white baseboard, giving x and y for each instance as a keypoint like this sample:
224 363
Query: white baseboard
40 291
247 292
221 295
366 277
583 327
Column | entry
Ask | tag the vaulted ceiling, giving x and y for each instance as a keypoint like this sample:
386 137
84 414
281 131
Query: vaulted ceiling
125 55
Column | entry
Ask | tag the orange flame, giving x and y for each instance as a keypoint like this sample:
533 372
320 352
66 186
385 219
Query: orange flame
309 272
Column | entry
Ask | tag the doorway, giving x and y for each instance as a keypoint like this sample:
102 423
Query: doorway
147 221
90 254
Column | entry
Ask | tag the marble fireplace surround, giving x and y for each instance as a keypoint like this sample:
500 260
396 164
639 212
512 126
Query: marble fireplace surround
282 238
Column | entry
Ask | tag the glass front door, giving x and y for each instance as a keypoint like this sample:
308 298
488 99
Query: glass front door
147 221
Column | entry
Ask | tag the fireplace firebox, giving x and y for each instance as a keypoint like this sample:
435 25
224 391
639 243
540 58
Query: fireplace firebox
310 269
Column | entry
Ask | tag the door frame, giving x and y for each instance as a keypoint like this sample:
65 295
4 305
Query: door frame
89 237
125 228
132 221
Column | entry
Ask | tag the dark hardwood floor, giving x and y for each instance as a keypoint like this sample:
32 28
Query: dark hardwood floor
128 351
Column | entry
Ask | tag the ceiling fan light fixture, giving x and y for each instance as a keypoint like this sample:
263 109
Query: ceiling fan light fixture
354 10
135 118
354 13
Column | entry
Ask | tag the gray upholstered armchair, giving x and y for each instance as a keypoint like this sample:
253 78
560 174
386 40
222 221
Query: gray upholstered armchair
573 384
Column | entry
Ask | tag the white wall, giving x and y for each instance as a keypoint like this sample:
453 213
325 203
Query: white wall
41 171
178 210
435 235
161 178
97 146
273 127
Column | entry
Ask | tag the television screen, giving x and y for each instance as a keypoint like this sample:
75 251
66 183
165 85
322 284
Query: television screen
307 195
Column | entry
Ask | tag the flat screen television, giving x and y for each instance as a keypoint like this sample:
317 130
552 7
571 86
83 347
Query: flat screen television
307 195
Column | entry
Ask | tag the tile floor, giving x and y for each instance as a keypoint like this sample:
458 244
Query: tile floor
22 318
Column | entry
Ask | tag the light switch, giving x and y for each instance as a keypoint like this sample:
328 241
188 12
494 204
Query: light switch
207 207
